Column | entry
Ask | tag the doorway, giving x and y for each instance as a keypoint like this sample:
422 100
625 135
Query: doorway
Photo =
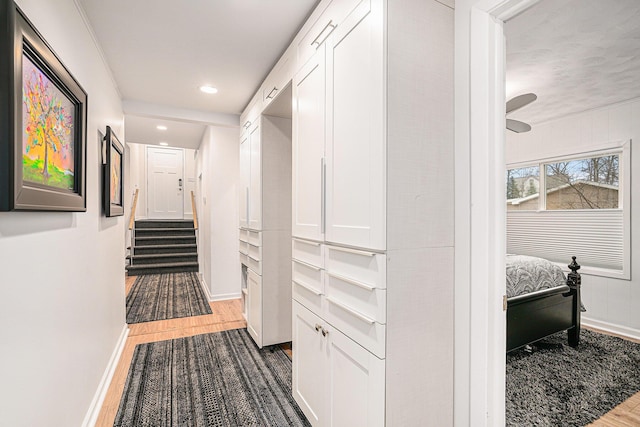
165 183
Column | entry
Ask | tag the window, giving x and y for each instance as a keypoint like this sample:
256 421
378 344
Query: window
581 212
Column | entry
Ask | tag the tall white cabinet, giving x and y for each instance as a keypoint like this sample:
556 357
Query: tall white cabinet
265 233
372 272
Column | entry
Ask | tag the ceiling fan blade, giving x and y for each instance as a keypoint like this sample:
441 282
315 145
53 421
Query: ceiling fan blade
517 127
520 101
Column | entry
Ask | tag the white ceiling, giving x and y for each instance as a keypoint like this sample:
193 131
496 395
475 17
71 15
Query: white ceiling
576 55
161 51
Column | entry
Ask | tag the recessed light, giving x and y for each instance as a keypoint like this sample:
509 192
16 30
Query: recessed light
160 127
208 89
163 144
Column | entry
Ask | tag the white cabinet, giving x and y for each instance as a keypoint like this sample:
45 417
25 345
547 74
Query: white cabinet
254 306
336 382
255 177
243 187
308 149
355 148
338 145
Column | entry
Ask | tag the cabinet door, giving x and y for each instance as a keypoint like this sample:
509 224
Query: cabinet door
356 158
309 364
255 180
254 306
308 148
243 188
355 388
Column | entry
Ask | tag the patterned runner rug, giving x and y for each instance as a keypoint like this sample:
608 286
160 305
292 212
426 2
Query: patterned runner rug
166 296
218 379
556 385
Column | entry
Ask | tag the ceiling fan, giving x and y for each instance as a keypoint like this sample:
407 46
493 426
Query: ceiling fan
515 104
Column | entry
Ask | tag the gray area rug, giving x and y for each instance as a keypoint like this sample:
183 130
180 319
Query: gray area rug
166 296
557 385
219 379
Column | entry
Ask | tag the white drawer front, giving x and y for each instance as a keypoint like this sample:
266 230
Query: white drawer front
254 264
370 303
244 259
369 334
243 247
255 238
368 268
308 251
254 252
244 235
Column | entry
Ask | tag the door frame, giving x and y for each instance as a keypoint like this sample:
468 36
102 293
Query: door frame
147 169
480 218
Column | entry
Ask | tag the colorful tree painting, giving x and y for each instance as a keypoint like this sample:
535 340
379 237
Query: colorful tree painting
47 120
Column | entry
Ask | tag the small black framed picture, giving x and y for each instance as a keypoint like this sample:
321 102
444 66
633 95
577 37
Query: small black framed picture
113 176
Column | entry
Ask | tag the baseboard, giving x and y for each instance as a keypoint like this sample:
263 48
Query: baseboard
205 288
223 297
98 399
611 328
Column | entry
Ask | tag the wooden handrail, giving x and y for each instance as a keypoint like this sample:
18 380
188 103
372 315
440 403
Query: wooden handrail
193 209
132 220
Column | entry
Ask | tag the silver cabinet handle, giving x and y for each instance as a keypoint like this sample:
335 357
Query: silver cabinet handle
352 251
272 93
313 267
247 205
329 24
306 242
323 195
307 287
246 124
351 311
351 281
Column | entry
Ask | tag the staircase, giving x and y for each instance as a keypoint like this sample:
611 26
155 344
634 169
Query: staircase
163 246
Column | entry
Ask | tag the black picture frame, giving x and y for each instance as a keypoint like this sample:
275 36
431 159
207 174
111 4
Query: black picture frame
113 175
43 122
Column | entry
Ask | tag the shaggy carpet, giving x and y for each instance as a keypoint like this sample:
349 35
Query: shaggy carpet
166 296
556 385
218 379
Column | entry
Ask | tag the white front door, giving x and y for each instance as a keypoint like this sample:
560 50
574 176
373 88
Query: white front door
165 183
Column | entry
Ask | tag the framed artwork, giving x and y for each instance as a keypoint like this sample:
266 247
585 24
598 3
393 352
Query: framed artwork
43 116
113 182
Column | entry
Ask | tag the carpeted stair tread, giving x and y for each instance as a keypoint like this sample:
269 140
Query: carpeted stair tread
164 264
164 224
168 255
172 237
177 245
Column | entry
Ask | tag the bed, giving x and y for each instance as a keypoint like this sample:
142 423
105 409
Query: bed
541 301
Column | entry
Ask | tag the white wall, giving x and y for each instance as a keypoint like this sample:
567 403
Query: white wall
217 163
62 303
615 302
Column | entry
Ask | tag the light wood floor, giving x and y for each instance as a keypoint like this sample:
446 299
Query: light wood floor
228 315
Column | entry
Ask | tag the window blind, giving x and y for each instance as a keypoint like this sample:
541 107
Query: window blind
595 237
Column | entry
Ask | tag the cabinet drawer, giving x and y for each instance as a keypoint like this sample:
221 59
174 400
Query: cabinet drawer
254 238
244 259
368 303
369 334
254 252
367 268
278 78
308 251
307 284
243 247
333 15
244 235
254 264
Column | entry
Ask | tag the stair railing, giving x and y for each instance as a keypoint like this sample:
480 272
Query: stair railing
132 222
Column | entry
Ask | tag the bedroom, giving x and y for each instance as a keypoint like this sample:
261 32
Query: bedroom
583 123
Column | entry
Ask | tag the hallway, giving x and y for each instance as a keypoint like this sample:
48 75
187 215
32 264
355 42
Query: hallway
226 315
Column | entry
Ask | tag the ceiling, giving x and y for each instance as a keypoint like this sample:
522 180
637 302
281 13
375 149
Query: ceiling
161 51
576 55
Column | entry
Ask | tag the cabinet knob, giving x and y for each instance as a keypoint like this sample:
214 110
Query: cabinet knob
318 327
324 332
